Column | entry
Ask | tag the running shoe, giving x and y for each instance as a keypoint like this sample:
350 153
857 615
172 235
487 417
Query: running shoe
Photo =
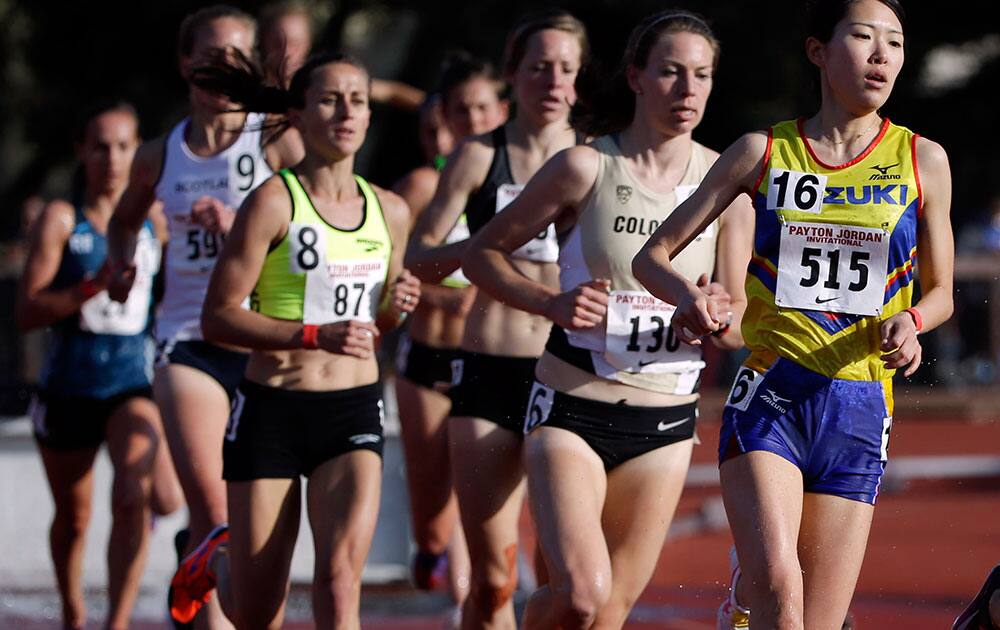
732 616
976 615
430 570
180 543
194 580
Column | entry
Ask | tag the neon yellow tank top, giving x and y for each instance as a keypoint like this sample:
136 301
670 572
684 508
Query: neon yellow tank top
834 251
320 274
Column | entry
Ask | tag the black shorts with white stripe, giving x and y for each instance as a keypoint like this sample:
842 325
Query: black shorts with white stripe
280 434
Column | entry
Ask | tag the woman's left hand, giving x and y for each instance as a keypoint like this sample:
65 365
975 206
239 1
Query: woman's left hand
213 215
899 343
405 292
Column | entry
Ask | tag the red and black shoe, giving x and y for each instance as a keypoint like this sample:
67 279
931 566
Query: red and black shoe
194 580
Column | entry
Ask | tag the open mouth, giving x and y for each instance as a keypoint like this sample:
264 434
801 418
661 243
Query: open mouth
876 79
684 112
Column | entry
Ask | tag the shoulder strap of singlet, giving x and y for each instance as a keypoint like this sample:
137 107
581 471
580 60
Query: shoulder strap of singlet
372 202
501 161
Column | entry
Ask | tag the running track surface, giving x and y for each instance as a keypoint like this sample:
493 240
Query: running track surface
932 543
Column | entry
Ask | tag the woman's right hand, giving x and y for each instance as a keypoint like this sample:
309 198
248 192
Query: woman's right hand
351 337
581 308
701 311
119 280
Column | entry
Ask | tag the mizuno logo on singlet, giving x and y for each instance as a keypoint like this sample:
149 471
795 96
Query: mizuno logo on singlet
883 172
883 169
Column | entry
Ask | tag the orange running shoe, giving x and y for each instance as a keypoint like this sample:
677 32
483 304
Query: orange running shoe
194 580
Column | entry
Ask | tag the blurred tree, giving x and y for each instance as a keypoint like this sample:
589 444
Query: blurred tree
57 57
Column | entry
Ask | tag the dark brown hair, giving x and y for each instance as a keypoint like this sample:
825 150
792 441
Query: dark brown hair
608 106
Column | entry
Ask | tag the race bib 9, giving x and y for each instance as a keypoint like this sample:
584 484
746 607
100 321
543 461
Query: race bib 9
544 247
639 338
833 268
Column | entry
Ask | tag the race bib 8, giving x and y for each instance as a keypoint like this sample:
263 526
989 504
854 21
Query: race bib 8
792 190
542 248
639 338
103 316
833 268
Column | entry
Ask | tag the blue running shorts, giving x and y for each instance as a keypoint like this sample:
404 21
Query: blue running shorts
835 431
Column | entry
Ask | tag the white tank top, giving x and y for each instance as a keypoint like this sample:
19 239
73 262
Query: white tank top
636 345
229 176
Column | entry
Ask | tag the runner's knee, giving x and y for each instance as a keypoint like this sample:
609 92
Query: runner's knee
493 590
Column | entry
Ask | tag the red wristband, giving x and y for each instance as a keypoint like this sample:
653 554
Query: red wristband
310 337
89 288
917 319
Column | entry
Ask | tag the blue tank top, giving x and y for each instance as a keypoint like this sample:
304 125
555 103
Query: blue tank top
105 348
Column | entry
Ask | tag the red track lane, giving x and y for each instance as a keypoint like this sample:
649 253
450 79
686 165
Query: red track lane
930 547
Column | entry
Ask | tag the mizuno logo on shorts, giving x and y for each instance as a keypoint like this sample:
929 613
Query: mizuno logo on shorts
365 438
666 426
774 400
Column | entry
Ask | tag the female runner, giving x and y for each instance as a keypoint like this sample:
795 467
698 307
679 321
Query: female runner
612 412
841 211
318 251
200 171
471 105
500 344
96 381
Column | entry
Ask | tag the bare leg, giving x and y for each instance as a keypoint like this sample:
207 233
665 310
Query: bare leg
71 479
263 526
133 442
832 542
433 506
167 495
195 410
343 499
763 497
567 491
641 500
486 464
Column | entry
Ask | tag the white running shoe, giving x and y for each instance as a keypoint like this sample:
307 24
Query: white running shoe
731 615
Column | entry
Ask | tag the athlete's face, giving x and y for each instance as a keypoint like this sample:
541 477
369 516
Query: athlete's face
435 136
474 107
860 63
672 90
107 150
225 33
335 118
544 80
286 44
